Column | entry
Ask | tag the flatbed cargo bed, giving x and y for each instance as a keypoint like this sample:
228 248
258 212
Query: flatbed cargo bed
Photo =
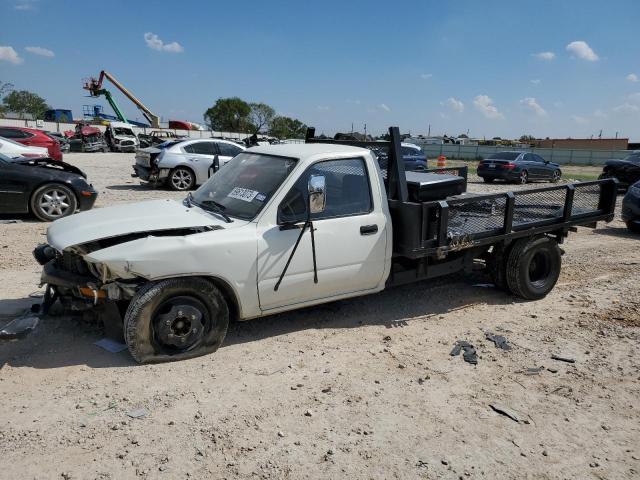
458 222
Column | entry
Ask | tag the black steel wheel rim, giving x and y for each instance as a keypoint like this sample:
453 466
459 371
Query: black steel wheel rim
540 269
181 324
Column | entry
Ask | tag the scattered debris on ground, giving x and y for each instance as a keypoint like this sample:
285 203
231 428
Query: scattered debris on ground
469 355
500 341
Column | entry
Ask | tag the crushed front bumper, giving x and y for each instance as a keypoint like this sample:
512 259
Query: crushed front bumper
145 174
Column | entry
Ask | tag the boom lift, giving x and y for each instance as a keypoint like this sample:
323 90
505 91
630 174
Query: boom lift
95 89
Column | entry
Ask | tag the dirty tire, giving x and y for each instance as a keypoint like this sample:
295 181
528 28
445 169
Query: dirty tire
487 180
533 267
145 336
633 227
555 178
181 179
52 201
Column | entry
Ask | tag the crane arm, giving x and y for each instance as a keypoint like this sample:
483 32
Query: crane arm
154 120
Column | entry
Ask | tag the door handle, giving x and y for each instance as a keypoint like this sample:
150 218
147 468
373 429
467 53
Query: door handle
368 229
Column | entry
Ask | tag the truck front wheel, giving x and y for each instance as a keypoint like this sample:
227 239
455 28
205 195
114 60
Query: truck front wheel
533 267
175 319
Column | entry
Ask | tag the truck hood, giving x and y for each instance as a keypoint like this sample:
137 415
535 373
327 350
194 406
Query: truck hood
125 220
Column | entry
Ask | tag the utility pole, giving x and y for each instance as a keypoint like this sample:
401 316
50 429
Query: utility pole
365 132
429 131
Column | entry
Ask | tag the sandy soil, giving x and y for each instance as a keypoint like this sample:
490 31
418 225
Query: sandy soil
363 388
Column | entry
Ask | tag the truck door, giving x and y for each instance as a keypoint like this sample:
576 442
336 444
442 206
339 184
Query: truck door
350 238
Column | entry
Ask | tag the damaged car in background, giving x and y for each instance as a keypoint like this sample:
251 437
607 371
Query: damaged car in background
284 227
120 137
46 188
183 164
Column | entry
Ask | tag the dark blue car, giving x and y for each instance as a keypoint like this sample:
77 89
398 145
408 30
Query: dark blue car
520 167
413 156
631 208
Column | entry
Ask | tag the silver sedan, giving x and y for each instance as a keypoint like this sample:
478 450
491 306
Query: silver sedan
184 164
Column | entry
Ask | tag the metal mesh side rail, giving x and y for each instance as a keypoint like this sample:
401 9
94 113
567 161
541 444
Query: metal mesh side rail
476 216
586 199
533 207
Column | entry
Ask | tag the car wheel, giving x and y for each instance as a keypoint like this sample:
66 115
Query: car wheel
555 177
53 201
175 319
181 178
633 227
523 178
487 180
533 267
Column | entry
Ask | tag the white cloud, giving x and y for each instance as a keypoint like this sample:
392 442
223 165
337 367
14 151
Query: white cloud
582 50
544 55
354 102
8 54
153 42
579 120
426 76
534 106
455 104
632 77
484 103
24 6
535 81
322 108
626 108
43 52
600 114
384 107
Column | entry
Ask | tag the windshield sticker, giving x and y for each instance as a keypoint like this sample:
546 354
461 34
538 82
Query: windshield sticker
243 194
261 197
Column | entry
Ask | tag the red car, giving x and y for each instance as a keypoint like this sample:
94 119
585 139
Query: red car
33 138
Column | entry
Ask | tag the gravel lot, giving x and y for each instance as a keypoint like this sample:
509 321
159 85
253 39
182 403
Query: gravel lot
363 388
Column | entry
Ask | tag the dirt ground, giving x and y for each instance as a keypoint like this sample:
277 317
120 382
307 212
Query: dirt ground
363 388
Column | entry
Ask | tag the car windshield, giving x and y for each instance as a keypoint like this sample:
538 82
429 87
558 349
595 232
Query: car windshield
123 131
504 156
634 157
244 185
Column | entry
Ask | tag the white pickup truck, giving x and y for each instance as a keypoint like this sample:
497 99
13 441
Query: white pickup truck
287 226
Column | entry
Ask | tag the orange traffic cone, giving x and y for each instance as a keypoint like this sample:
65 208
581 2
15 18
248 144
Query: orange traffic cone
442 161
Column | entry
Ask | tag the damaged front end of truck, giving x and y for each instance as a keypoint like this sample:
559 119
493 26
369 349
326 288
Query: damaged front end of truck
93 266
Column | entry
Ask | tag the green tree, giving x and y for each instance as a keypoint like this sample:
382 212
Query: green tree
285 127
527 138
229 115
5 88
22 101
261 116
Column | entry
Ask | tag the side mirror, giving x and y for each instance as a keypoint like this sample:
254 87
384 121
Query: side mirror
317 197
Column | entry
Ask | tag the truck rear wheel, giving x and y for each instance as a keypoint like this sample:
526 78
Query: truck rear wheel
533 267
175 319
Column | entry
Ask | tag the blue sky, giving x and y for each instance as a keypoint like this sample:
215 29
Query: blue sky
457 65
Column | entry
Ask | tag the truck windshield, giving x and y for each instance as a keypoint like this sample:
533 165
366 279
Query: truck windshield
244 185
